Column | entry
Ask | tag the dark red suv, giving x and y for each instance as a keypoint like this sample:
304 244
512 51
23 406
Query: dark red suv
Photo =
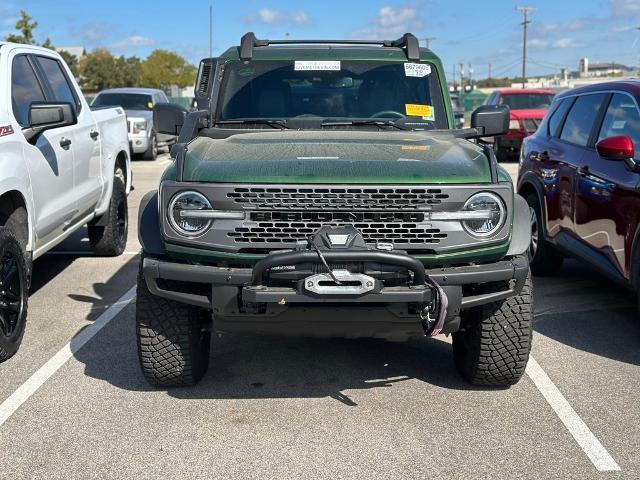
580 174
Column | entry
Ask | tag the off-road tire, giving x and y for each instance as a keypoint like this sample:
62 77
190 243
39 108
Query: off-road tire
152 152
174 339
110 240
546 260
10 248
493 346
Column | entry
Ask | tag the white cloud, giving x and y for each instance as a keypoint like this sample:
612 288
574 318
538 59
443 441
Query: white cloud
622 8
625 28
94 32
567 43
269 16
538 43
301 18
135 41
391 22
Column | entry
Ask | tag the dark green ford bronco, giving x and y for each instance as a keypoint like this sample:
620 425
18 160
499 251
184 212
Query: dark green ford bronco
320 189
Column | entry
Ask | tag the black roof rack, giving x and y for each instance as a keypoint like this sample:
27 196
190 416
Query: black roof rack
408 41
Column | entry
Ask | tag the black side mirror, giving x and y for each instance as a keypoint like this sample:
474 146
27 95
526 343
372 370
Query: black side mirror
168 118
493 120
45 116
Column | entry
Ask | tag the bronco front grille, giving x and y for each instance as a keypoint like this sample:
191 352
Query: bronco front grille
348 198
399 233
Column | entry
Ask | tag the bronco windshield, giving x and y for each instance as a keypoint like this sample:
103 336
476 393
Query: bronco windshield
406 93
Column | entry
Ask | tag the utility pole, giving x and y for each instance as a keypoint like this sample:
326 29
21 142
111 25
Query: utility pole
428 40
489 70
470 77
210 31
454 77
525 12
461 64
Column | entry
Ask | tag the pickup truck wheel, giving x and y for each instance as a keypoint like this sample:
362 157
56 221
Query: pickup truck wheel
152 151
110 240
174 339
493 346
13 294
543 258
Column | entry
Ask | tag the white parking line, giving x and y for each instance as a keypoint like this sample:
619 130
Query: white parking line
31 386
581 433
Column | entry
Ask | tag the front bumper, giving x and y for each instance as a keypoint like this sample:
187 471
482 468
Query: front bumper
138 143
240 302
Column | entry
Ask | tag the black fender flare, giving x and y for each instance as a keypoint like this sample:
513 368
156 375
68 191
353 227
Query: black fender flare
521 228
149 233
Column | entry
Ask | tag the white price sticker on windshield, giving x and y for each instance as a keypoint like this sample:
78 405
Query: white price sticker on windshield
417 69
316 66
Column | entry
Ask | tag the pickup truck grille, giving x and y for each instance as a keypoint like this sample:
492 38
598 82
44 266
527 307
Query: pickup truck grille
399 233
304 198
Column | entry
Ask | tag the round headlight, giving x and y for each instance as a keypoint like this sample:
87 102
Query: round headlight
491 214
183 223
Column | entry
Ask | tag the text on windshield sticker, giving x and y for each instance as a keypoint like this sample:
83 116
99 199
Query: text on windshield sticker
303 66
416 70
417 110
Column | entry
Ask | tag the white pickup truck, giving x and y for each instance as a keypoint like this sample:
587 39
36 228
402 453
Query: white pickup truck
62 166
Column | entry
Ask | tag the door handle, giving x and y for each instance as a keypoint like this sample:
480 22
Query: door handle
584 171
65 143
94 134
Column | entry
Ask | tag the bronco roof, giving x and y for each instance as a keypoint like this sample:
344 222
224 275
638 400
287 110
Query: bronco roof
402 49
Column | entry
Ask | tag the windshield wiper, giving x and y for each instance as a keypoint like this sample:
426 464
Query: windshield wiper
274 123
357 123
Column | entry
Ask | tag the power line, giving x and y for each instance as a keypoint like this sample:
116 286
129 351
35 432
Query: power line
525 12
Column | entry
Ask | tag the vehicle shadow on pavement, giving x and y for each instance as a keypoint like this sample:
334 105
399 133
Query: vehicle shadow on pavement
254 367
51 264
586 311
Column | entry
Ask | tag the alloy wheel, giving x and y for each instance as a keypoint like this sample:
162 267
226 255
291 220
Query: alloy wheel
12 296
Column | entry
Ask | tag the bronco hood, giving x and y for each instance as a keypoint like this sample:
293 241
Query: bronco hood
336 157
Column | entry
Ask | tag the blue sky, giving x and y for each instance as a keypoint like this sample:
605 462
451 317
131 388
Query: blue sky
476 32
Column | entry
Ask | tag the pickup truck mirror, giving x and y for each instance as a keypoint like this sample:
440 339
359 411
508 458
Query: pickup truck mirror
44 116
493 120
168 118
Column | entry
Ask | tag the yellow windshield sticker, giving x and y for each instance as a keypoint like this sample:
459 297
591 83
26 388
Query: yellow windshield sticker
422 148
149 105
417 110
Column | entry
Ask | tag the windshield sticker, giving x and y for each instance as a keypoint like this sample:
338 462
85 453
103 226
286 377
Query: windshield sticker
421 148
417 70
618 125
317 65
149 105
417 110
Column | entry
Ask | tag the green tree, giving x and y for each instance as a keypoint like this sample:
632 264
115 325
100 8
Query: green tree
163 69
25 27
98 70
70 60
130 71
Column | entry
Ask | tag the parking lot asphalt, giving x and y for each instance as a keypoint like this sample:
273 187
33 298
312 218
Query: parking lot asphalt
292 408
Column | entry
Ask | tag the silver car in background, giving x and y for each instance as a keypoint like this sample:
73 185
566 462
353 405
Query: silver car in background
138 105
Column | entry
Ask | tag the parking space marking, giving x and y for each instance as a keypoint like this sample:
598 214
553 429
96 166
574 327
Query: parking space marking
31 386
576 426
